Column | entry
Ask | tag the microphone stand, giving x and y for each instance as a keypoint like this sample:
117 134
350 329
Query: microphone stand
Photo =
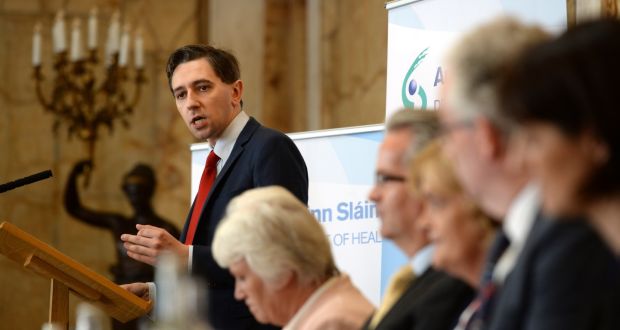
25 181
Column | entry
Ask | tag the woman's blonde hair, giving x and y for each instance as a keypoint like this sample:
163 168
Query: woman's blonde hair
432 158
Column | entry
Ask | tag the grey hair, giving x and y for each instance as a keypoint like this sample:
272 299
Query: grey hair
477 61
423 125
274 233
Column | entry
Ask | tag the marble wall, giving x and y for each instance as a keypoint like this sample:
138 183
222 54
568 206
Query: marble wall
353 62
27 144
353 39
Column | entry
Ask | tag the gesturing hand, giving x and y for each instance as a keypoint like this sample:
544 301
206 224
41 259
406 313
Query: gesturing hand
150 242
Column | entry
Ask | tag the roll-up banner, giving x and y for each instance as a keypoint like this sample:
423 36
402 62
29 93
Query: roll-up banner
420 33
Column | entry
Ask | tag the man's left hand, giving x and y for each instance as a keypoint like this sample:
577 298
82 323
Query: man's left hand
150 242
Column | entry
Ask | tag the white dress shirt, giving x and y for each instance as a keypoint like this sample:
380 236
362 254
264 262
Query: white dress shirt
517 226
422 260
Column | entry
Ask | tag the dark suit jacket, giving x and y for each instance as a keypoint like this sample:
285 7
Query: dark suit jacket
564 278
260 157
433 301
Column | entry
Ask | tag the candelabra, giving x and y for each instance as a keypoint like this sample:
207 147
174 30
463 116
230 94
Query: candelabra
78 98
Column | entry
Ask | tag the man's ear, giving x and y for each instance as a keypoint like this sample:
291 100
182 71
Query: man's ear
489 139
237 91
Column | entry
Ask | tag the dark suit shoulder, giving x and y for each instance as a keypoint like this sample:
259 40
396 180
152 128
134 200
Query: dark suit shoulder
272 158
268 139
566 243
432 302
440 306
445 287
558 281
256 133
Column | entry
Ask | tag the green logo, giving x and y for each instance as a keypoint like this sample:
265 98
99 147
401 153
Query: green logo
411 90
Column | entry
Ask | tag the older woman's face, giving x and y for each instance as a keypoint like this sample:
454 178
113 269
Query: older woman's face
260 297
561 165
458 236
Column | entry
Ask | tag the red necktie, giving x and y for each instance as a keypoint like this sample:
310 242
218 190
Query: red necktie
477 314
206 181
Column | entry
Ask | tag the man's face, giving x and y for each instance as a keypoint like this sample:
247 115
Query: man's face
206 104
459 147
260 297
396 206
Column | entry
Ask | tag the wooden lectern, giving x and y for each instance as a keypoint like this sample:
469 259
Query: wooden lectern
68 275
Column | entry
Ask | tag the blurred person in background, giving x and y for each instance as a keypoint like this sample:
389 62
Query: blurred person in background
282 263
459 230
417 296
540 280
564 94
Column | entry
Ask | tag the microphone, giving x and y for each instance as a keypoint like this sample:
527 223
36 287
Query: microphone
25 180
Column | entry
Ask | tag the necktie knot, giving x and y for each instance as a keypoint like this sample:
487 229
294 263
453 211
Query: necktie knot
212 160
397 286
402 278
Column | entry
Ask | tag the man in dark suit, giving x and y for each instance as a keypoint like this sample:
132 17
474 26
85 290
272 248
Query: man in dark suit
418 297
206 85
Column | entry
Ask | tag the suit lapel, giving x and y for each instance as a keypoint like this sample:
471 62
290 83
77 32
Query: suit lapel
537 232
238 149
403 307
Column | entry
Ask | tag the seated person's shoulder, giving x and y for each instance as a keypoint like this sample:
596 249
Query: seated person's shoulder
338 324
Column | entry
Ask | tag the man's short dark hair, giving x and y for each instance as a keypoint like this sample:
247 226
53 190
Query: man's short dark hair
223 63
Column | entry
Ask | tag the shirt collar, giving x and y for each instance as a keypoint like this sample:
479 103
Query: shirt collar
521 214
517 226
224 145
421 261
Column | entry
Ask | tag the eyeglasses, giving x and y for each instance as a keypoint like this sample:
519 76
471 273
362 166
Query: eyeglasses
385 178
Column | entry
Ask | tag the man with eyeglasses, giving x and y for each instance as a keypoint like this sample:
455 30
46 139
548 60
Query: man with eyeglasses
407 301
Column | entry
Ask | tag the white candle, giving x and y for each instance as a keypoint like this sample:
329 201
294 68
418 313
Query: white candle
36 45
139 50
58 32
124 51
92 29
76 44
112 43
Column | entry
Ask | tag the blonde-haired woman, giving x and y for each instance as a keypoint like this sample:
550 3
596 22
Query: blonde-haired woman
460 231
